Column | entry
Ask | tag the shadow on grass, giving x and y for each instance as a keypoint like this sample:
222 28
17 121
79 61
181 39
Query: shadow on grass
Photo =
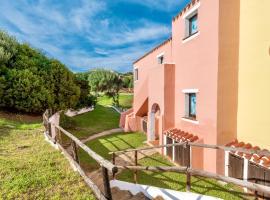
214 186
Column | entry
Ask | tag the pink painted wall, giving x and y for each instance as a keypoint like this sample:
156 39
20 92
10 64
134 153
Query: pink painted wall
197 68
204 62
123 117
146 66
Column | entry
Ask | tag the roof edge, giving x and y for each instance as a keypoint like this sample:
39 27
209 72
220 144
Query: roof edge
152 50
186 8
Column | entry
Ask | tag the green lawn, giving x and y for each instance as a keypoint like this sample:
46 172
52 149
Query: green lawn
22 122
125 100
170 180
100 119
177 181
31 169
106 144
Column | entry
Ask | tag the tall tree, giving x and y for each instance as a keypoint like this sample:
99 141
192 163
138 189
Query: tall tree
32 82
108 82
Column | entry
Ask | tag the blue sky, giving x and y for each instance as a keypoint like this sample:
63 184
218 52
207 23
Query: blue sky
86 34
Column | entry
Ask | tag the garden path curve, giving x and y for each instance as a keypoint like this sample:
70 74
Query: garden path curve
101 134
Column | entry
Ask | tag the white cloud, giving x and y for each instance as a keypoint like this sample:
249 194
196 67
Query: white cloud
115 44
119 59
147 31
80 16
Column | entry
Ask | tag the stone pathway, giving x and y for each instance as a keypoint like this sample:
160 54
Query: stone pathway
101 134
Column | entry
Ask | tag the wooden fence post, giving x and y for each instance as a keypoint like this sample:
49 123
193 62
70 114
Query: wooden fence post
106 183
113 161
59 137
136 163
50 129
75 152
188 182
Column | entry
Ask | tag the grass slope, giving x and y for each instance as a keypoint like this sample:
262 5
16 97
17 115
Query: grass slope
170 180
100 119
177 181
31 169
17 121
106 144
125 100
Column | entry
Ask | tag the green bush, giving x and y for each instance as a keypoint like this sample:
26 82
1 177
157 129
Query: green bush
31 82
67 122
86 99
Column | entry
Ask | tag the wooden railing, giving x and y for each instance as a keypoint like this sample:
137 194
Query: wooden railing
190 171
111 167
106 166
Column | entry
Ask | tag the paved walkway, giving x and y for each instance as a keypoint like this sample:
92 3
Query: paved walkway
101 134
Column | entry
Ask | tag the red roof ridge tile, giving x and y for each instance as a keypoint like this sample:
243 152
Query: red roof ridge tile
255 158
180 135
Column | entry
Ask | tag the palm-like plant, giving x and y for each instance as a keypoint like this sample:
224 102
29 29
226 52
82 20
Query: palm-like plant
106 81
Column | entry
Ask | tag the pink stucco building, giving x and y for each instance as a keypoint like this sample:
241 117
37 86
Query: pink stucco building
186 88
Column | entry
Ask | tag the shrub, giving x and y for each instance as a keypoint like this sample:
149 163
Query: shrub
67 122
31 82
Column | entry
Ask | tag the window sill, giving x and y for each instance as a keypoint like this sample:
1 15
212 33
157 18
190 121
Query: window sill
190 37
193 121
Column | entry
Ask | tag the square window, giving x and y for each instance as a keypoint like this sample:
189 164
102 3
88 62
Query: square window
160 59
190 105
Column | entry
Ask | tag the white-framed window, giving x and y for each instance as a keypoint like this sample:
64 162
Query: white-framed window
160 58
190 104
136 74
191 25
191 22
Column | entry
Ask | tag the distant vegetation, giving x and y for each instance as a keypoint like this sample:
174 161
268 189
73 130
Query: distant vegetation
107 82
31 82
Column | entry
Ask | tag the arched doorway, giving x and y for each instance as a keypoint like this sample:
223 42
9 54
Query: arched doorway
154 122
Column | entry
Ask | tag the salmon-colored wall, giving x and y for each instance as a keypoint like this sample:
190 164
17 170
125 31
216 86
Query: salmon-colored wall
196 67
161 92
145 68
169 96
227 62
254 71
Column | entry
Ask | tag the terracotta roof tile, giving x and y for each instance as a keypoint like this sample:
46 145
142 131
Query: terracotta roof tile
255 158
181 136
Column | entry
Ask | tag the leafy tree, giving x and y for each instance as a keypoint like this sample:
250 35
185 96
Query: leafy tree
32 82
64 90
8 48
26 91
86 99
108 82
127 81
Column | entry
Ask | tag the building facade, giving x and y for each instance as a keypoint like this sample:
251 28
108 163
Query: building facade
209 82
